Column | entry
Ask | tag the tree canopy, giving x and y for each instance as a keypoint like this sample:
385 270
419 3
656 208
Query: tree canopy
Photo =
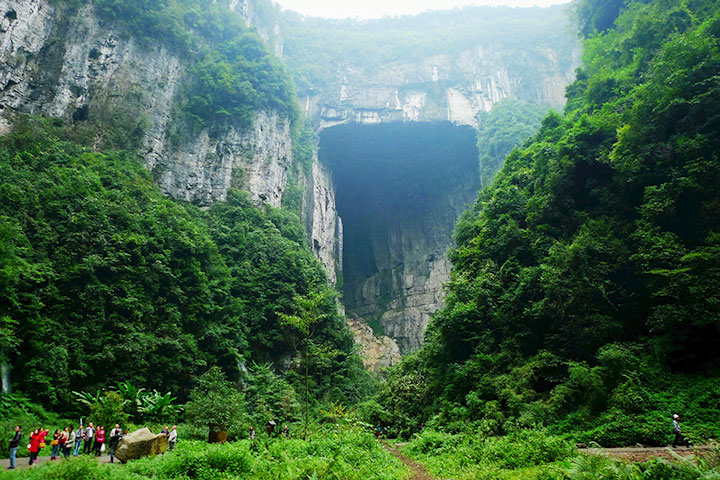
585 277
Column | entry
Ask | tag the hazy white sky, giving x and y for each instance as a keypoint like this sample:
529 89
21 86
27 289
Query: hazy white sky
380 8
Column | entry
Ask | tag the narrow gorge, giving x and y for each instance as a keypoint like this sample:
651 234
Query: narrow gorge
396 160
397 141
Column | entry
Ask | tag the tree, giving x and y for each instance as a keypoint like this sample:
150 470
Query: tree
311 310
215 402
269 396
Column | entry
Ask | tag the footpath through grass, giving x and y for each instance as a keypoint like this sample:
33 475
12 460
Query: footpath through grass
537 455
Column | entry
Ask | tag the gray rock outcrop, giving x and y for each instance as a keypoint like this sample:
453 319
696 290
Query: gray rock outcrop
378 352
68 64
452 87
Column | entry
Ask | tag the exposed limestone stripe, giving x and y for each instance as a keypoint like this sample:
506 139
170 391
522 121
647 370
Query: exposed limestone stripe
378 351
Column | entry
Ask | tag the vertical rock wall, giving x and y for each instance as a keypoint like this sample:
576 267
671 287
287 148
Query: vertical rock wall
69 64
442 87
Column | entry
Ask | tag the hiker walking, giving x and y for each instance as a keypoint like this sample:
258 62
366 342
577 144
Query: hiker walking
679 438
172 438
115 435
14 445
252 434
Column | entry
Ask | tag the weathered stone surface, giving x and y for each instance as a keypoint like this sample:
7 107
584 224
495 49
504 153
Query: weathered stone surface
452 87
69 66
141 443
410 252
378 351
411 264
323 225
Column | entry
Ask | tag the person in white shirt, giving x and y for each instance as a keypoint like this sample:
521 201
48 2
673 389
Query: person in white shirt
89 433
679 438
172 438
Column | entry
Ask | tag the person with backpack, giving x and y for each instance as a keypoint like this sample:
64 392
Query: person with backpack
14 445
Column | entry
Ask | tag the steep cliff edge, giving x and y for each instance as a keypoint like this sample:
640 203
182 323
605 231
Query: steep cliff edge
453 87
71 64
437 66
391 238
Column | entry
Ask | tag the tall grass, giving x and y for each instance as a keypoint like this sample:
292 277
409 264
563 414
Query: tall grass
332 454
525 454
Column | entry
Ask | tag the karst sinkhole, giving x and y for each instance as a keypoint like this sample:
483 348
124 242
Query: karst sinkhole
400 188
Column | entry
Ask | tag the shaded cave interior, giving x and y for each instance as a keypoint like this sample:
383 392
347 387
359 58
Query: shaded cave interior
400 189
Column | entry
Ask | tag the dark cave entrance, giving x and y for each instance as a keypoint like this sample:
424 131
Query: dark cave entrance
400 188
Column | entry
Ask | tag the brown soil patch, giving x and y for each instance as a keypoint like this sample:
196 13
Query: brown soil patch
643 454
418 471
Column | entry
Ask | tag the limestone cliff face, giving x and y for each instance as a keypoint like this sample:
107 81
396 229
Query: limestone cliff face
322 223
407 255
70 65
443 87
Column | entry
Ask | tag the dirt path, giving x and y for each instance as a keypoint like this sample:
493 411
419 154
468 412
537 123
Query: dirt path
22 462
643 454
418 471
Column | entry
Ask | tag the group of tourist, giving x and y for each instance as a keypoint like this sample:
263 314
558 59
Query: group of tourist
67 441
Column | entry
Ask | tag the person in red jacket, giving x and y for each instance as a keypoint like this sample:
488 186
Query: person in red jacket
99 440
34 445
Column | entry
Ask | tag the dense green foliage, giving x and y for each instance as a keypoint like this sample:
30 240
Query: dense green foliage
106 280
536 455
585 286
333 453
504 128
232 72
523 455
314 47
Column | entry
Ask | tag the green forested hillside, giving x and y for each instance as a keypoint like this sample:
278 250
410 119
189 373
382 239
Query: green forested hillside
505 127
105 280
584 294
314 47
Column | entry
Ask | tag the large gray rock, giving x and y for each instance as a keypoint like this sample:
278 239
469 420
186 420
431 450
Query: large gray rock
141 443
